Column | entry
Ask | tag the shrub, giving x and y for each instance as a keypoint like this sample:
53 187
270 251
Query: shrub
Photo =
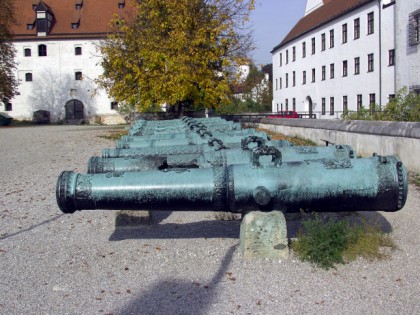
331 242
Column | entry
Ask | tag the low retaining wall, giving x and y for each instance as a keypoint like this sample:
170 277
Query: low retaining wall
366 137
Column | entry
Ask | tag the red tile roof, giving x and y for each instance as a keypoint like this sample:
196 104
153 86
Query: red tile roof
93 18
331 10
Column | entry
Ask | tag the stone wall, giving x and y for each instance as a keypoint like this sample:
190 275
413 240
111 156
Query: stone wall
366 137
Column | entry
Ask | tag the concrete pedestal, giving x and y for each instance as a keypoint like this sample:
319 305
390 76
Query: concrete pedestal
131 218
264 235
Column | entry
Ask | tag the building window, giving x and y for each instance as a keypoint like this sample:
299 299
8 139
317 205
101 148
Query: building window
281 59
359 102
8 106
78 75
313 75
304 77
28 77
323 106
371 27
287 57
391 57
77 51
287 104
331 105
331 38
332 71
323 73
357 28
293 53
345 68
277 84
294 78
287 80
114 105
313 45
370 63
42 50
79 4
357 65
303 49
372 102
323 42
280 84
414 28
345 104
344 33
294 104
27 52
30 26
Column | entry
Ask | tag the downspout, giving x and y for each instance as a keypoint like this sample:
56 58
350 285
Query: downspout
380 55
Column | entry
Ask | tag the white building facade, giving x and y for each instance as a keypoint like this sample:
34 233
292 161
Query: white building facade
58 59
338 57
408 45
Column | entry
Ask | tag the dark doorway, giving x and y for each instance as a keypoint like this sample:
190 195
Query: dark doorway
74 110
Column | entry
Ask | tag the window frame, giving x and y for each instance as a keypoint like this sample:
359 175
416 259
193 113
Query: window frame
356 28
370 23
42 50
371 62
332 38
28 77
323 46
344 33
78 75
357 65
332 112
332 70
391 57
78 51
25 52
323 111
345 68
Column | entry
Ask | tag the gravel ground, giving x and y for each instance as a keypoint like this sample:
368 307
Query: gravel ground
183 263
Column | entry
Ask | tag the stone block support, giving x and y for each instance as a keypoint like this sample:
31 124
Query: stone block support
264 235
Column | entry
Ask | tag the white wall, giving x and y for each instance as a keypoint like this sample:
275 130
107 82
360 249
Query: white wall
54 78
408 57
365 83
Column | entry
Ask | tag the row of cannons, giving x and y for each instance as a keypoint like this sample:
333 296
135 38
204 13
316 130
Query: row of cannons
212 164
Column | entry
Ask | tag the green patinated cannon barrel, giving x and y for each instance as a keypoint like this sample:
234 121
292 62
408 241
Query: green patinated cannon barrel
190 140
180 149
366 184
184 135
213 159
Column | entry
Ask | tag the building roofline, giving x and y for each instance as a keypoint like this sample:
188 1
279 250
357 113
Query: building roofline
329 19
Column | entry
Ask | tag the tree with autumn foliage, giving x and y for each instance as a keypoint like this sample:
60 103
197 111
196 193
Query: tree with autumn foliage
182 53
8 82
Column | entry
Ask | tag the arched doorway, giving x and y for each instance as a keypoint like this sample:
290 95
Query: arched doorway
309 105
74 110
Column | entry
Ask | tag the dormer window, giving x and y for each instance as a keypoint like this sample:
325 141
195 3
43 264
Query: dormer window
30 26
44 19
75 25
79 4
121 4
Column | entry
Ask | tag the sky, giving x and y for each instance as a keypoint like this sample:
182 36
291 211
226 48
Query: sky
271 22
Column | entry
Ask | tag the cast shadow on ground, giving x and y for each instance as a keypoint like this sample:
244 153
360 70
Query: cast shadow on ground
231 228
32 227
180 296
